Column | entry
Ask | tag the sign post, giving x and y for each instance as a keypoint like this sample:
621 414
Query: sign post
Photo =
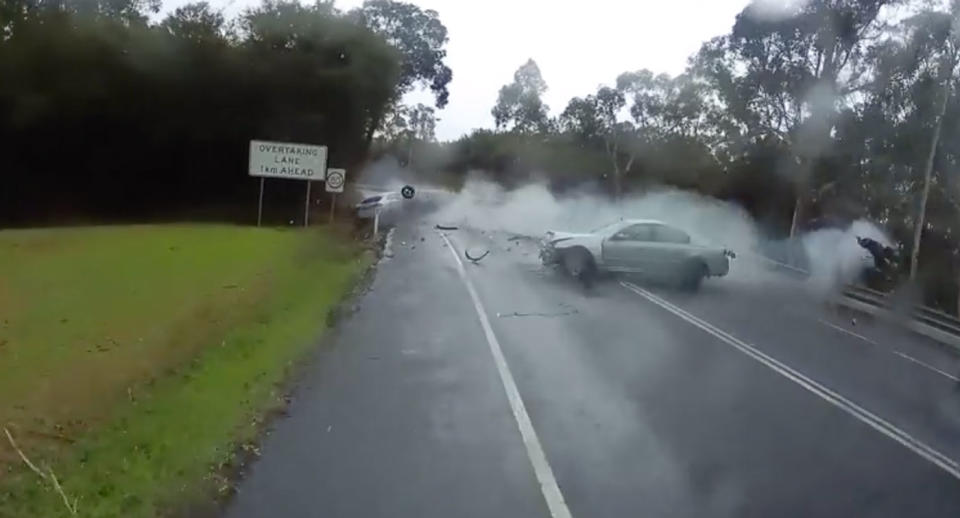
306 207
334 184
260 203
286 160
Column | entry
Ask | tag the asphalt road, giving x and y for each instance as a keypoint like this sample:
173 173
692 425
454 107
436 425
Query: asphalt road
746 399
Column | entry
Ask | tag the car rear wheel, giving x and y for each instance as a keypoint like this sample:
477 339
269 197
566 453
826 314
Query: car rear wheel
692 276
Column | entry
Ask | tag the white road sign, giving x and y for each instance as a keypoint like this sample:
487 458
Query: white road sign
336 179
287 160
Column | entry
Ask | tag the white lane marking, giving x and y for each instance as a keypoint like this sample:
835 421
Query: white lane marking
541 468
846 331
861 414
901 354
388 244
926 366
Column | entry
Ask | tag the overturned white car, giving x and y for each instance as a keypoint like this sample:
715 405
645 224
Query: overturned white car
647 247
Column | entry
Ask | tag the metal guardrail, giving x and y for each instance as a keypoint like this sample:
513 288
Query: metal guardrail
930 322
929 316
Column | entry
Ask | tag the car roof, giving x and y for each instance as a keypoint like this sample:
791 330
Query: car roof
647 221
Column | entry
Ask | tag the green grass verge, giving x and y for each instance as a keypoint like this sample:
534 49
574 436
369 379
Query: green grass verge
137 359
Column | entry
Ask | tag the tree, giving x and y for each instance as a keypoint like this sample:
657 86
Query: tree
936 38
406 126
581 117
423 123
785 77
596 119
648 99
196 23
420 37
520 102
916 72
182 92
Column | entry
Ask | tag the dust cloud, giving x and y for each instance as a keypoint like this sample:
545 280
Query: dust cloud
835 258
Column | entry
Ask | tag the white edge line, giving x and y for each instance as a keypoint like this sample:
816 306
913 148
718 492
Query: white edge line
388 244
926 365
538 459
861 414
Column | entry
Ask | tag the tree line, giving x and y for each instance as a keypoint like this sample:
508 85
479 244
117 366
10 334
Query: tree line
808 116
108 112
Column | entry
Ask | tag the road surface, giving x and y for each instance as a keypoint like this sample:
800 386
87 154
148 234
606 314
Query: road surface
502 389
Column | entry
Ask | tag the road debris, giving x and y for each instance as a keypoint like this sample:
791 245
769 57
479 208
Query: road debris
514 314
475 260
446 227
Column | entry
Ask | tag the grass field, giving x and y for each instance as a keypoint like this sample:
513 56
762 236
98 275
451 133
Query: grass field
134 360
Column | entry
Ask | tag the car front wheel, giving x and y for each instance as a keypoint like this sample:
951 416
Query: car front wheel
579 264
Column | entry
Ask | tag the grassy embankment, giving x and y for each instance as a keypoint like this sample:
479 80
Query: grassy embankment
135 360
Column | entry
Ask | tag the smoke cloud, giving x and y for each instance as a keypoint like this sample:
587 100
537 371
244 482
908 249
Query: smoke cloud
834 256
831 257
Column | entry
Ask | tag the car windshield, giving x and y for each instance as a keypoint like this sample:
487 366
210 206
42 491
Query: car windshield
442 258
608 227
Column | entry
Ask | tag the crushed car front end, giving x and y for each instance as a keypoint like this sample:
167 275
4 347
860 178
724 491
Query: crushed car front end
552 243
548 250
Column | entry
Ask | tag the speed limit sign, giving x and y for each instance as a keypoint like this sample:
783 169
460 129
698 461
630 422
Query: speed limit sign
335 179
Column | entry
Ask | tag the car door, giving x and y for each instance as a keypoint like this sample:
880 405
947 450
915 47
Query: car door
667 250
629 248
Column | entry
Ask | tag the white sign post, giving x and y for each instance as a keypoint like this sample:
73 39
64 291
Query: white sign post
287 160
334 184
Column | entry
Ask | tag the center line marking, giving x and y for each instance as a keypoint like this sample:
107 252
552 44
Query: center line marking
926 365
905 356
861 414
541 468
846 331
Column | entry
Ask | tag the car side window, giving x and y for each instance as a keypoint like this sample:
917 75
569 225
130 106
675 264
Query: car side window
638 232
665 234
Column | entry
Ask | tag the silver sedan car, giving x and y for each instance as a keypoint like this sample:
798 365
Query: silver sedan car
647 247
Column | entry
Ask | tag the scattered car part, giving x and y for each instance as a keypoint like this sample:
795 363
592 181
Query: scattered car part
538 314
407 192
446 227
383 203
475 259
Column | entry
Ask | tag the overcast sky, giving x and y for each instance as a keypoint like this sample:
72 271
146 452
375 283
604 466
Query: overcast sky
578 45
